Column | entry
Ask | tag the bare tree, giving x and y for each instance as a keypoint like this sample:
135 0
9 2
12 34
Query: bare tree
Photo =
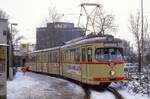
16 38
105 23
54 16
97 21
3 14
135 29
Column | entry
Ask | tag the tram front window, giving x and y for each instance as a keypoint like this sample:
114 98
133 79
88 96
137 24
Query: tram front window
108 54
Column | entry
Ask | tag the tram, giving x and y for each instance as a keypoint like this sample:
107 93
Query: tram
91 60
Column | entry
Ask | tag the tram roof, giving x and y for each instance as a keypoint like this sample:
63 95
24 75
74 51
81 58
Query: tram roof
48 49
81 40
85 40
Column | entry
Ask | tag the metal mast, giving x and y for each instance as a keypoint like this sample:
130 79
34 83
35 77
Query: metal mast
90 16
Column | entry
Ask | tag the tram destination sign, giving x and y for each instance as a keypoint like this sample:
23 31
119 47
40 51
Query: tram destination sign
110 44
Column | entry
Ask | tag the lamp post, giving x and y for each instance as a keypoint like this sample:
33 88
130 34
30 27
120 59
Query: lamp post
11 51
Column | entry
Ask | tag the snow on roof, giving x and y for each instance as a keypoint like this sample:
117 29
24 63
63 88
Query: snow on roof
48 49
89 40
76 39
4 45
81 40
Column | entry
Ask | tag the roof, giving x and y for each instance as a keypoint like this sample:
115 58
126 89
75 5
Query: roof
4 45
82 40
4 19
48 49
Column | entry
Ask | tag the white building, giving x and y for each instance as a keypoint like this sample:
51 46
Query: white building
3 31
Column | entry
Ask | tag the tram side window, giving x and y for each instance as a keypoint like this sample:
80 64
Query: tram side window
72 54
77 55
52 57
34 58
89 54
29 58
55 56
49 57
61 56
68 55
64 56
38 58
83 54
46 57
42 57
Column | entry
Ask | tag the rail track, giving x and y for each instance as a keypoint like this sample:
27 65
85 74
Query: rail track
87 88
115 92
110 89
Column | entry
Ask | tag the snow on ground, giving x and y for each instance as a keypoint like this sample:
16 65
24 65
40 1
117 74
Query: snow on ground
124 92
37 86
127 95
101 95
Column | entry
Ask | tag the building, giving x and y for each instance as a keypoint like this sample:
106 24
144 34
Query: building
56 34
3 57
3 31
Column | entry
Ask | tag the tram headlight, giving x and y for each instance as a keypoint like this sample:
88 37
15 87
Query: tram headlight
112 72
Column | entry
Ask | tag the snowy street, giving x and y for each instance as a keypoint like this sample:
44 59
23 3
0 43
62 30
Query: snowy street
37 86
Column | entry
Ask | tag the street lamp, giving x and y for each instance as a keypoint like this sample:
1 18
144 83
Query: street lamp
11 50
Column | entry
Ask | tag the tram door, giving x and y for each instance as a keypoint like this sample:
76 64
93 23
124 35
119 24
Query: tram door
86 57
3 60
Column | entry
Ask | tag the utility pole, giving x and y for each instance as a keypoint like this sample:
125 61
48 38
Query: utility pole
142 39
11 51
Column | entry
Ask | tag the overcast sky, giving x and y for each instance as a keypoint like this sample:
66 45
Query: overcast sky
29 14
